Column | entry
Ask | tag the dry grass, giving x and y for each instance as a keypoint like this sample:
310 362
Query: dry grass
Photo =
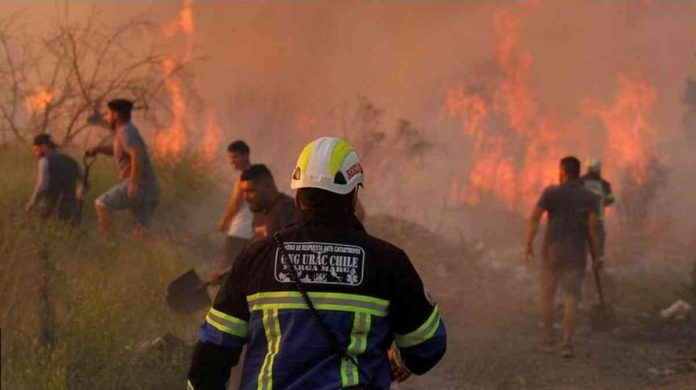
75 306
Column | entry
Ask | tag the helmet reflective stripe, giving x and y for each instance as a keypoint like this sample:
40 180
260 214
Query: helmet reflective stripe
307 152
330 164
594 164
340 152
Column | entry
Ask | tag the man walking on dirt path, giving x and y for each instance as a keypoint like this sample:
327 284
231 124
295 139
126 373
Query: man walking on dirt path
237 219
594 182
59 182
320 304
139 189
572 223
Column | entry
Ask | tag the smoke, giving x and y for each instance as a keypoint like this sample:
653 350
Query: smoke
542 79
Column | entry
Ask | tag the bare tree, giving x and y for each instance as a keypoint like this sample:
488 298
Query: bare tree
59 81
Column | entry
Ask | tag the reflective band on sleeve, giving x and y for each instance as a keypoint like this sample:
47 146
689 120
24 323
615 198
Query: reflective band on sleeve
357 346
271 326
422 334
226 323
322 301
189 386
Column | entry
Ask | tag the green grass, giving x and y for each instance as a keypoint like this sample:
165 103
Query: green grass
74 306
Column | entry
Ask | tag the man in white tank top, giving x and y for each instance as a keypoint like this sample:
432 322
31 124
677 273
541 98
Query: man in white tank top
237 218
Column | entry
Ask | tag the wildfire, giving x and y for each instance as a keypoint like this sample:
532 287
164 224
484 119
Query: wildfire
171 142
630 136
516 147
182 24
211 139
39 101
500 168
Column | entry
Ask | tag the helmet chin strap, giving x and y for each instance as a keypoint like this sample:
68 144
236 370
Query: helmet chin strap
354 200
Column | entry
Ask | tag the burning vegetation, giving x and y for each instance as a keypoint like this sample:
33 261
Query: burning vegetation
452 181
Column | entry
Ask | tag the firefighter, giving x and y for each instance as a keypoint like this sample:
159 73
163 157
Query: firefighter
319 304
594 182
58 183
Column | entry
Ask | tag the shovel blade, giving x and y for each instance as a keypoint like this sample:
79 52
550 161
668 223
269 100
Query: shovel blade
188 294
602 318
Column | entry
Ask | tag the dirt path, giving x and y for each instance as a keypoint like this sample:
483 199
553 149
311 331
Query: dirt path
507 357
494 345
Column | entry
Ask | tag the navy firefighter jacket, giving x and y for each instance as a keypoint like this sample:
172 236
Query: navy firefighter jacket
366 290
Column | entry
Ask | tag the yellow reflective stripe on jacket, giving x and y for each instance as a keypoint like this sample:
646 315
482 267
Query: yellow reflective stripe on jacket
226 323
357 346
271 326
189 386
423 333
322 301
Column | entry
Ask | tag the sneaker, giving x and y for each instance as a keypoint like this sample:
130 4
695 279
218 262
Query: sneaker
547 345
567 351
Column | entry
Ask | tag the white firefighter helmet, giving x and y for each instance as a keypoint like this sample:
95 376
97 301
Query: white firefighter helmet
594 165
330 164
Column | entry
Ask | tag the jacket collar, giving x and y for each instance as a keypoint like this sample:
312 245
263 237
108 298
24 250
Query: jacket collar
337 219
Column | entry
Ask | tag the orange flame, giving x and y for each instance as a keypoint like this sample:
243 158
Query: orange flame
516 147
630 136
500 169
183 23
39 101
172 141
211 138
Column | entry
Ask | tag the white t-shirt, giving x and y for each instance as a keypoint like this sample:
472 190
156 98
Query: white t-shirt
241 223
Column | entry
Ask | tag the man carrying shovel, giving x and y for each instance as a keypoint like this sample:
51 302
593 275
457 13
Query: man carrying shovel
572 223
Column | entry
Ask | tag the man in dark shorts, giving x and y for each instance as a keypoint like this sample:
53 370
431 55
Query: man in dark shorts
139 190
59 182
272 209
572 224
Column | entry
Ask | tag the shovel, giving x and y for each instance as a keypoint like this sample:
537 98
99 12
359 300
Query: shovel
189 293
602 316
87 162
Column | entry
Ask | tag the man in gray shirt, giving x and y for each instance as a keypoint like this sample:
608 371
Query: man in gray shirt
59 183
139 190
572 225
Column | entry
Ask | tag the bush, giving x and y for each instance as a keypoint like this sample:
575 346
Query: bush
75 307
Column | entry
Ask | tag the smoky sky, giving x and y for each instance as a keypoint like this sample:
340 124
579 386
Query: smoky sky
308 59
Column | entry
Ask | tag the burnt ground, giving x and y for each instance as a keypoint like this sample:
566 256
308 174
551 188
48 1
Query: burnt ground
489 304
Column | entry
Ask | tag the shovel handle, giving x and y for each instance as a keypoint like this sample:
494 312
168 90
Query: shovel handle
600 292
